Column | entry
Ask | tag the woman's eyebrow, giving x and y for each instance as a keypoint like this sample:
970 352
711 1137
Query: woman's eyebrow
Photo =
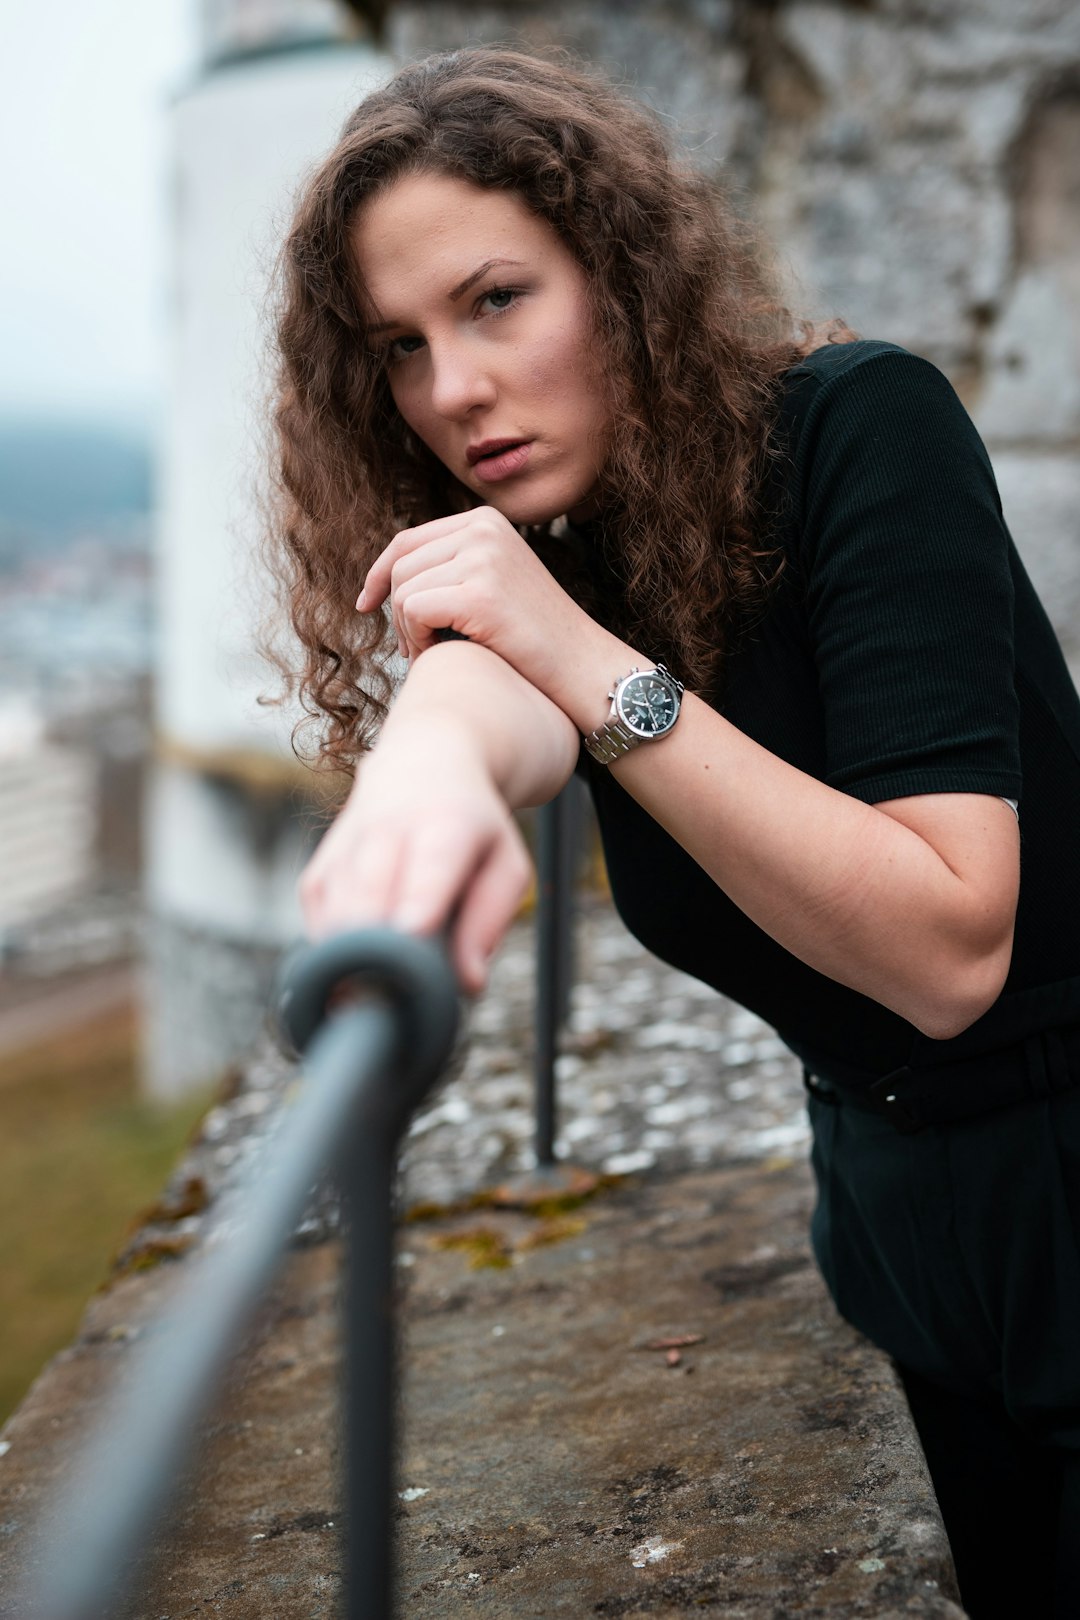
455 292
488 264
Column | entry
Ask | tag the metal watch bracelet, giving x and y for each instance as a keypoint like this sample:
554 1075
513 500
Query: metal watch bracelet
611 741
616 737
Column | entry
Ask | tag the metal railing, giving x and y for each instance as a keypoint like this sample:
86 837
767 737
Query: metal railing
558 844
370 1061
374 1014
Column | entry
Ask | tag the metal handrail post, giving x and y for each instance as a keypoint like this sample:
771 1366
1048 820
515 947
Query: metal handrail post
572 810
366 1176
370 1361
369 1063
558 831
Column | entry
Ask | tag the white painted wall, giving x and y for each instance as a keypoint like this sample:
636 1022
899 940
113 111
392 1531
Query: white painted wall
48 819
243 137
222 862
206 868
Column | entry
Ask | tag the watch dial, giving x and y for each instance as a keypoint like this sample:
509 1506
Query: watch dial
647 704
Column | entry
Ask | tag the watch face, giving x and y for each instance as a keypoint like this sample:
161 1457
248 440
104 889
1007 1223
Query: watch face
648 704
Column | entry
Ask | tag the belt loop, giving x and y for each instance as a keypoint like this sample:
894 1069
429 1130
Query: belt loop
823 1094
887 1097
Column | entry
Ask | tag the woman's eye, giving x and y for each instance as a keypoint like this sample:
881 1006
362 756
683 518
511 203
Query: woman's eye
399 348
502 298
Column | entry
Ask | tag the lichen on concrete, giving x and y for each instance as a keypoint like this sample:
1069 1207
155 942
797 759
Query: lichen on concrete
654 1412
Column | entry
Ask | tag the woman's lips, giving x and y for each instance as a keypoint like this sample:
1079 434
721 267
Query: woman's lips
502 464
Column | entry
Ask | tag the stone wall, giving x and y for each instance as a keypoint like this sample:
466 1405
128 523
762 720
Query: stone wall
916 164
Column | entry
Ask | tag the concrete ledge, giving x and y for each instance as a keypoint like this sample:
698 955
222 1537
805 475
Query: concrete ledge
570 1470
553 1465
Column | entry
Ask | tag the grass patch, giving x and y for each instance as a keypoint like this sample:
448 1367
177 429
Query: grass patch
80 1154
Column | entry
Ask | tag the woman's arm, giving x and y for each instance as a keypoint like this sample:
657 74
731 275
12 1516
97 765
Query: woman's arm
910 902
908 600
426 834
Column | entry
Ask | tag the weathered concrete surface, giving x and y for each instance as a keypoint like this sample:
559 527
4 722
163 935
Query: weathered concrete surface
572 1471
566 1469
776 1462
266 1447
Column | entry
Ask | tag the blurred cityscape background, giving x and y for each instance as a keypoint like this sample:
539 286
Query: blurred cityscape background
84 321
917 167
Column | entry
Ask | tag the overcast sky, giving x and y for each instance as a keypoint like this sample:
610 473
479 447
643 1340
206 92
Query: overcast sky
83 201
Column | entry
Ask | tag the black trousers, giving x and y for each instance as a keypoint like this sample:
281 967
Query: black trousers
1011 1507
957 1250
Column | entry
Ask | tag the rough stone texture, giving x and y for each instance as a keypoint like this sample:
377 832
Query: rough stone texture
772 1469
234 27
552 1464
916 165
656 1071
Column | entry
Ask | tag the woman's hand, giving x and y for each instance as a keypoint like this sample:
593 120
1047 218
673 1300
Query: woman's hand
426 839
424 842
472 572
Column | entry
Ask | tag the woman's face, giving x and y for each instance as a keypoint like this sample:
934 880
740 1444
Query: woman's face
483 321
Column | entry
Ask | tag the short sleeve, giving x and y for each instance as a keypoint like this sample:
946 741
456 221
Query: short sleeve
905 558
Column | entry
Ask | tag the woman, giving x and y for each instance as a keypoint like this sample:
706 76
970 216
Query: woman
534 392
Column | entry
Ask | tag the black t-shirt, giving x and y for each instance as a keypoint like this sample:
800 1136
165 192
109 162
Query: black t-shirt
903 651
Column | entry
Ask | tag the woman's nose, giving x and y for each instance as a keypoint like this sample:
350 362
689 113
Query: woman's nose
459 381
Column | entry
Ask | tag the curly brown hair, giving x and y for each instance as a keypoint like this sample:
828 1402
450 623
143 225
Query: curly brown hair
692 345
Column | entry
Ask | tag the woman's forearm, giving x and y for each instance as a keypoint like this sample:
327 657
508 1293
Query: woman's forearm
426 840
524 742
843 885
919 920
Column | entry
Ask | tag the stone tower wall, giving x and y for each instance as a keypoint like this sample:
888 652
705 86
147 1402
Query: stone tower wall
916 165
232 28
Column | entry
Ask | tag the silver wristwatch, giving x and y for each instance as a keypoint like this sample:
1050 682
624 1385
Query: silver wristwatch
644 706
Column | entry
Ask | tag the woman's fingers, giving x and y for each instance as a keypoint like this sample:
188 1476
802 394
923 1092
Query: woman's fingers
377 585
441 859
462 865
488 907
437 602
424 842
474 573
418 561
430 567
351 883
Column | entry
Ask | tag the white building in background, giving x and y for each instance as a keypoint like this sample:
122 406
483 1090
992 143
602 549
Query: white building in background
48 818
230 819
